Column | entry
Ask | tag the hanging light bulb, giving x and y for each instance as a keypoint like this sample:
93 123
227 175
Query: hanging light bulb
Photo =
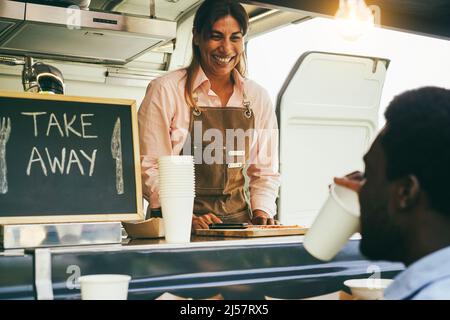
355 18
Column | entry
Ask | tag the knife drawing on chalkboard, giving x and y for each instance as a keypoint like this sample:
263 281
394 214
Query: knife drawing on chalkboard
116 150
5 130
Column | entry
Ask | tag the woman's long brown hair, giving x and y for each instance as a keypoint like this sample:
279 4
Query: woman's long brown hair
207 14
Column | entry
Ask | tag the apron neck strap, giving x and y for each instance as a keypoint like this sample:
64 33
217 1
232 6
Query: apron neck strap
245 102
196 110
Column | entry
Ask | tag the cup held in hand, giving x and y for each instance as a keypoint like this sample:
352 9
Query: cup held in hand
337 221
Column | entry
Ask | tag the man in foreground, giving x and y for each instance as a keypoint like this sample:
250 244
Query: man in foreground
405 194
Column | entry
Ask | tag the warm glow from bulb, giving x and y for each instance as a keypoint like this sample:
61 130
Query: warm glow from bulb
355 19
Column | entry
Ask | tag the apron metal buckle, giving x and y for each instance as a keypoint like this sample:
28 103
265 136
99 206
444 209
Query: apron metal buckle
196 112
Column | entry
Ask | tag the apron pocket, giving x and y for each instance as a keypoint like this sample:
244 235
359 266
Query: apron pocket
210 179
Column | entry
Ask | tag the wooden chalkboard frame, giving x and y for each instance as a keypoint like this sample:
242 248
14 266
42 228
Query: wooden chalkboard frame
131 216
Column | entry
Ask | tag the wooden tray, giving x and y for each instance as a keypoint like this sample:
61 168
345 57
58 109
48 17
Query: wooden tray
252 232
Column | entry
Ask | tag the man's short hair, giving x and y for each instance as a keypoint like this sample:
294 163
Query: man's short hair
417 141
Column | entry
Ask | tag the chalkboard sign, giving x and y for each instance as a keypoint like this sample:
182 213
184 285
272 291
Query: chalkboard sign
68 159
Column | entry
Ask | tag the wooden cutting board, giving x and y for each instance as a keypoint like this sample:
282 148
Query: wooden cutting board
252 232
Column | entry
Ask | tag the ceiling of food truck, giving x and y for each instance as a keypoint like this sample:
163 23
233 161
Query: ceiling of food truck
418 16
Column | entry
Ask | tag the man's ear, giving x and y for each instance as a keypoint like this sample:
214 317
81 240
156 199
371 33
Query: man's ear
407 192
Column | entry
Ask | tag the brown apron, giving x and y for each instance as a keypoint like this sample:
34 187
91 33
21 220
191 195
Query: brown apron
220 163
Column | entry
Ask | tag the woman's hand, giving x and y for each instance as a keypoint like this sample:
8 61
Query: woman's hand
203 221
352 181
262 218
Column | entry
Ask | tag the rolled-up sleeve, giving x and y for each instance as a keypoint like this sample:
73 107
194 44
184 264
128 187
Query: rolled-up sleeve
263 170
154 118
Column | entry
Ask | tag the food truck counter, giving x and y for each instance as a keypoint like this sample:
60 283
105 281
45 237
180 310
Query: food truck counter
235 268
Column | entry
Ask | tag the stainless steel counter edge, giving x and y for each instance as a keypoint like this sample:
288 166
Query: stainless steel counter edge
12 253
199 244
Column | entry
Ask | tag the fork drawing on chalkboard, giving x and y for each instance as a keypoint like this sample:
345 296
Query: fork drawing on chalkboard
5 130
116 151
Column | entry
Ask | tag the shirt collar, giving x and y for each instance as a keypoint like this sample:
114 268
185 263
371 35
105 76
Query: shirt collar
202 79
418 275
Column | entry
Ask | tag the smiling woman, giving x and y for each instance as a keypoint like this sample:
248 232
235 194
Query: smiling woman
220 53
185 109
218 44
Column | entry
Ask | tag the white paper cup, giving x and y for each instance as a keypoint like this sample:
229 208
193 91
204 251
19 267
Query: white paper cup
180 160
177 187
185 184
177 169
177 163
176 193
176 176
171 194
104 287
337 221
177 217
188 182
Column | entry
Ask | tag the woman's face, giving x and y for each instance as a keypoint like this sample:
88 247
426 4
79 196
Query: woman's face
221 52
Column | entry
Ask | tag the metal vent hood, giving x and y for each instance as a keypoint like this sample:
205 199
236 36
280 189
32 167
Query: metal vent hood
78 35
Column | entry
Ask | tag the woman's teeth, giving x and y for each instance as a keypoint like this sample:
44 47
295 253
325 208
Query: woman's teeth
222 60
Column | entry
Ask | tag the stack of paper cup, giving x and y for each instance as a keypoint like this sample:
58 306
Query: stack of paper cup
176 194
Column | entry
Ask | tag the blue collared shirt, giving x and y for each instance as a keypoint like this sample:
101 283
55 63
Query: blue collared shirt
426 279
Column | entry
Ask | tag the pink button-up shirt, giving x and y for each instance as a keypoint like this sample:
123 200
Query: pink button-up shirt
164 123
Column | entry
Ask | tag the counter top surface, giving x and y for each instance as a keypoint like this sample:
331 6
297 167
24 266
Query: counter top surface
237 268
196 242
